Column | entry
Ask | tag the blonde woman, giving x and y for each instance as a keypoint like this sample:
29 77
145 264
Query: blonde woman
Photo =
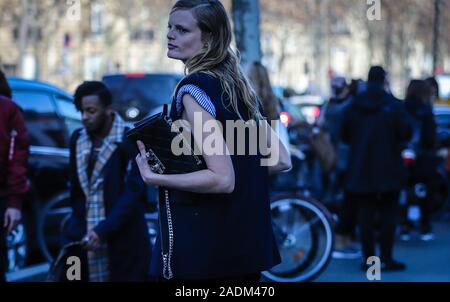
218 225
259 78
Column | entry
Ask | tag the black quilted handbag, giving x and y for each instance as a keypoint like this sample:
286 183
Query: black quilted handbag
157 135
59 268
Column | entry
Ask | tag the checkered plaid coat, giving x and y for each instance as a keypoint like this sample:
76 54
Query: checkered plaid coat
112 203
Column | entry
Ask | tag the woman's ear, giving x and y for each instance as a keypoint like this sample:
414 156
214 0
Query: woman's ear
207 40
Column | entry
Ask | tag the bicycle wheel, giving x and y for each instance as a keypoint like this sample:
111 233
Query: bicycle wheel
51 222
304 234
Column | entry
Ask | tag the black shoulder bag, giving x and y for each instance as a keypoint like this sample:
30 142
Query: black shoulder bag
157 134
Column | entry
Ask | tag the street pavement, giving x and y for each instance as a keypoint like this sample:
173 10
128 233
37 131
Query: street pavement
426 261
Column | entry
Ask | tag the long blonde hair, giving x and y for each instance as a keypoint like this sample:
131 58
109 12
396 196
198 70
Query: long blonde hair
218 59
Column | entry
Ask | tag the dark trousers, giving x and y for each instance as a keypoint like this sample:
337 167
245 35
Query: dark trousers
3 251
425 209
348 217
379 209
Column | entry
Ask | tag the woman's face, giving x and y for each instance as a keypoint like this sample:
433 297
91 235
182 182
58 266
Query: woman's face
184 36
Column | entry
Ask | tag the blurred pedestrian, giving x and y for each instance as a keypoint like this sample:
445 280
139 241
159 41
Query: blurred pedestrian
259 78
14 154
375 125
107 193
345 241
423 142
332 111
434 89
329 122
217 225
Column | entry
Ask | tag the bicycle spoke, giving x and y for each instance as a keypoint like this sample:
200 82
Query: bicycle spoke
304 236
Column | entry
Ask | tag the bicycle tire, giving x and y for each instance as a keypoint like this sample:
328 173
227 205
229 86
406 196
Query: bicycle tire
328 223
41 236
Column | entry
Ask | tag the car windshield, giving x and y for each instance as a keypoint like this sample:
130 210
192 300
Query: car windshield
147 91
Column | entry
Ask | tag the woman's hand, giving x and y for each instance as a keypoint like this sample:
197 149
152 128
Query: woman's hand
141 159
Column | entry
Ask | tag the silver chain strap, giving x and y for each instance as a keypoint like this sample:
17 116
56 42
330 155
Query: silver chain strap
159 168
167 258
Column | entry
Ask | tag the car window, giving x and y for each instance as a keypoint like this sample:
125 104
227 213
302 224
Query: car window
295 112
43 125
143 93
444 86
71 115
156 90
443 120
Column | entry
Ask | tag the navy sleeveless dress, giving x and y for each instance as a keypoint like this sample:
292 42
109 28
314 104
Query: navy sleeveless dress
219 235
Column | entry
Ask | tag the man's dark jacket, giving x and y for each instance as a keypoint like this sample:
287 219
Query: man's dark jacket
124 229
376 127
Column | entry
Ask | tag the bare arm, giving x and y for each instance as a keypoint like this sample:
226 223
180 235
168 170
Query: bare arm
281 154
217 178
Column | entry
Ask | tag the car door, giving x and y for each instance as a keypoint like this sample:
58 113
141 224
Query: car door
49 154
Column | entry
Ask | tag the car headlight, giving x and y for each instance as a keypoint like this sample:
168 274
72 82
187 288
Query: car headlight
132 113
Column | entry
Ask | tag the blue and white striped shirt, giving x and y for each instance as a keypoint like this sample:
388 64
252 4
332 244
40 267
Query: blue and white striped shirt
200 97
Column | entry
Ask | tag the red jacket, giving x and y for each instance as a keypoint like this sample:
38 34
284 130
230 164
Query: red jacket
13 161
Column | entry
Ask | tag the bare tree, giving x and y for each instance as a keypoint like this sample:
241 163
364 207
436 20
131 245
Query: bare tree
246 27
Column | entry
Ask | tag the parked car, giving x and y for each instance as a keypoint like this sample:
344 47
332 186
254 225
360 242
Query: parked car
442 185
309 106
442 118
136 95
442 115
284 92
444 89
50 118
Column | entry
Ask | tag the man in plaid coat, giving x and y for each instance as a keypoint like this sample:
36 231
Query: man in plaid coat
107 192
